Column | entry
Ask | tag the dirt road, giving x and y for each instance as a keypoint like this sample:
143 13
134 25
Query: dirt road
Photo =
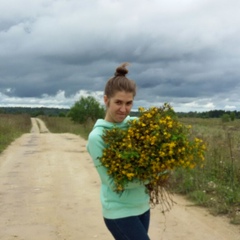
49 190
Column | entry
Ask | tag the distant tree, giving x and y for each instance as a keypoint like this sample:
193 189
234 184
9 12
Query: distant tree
62 114
225 117
192 114
38 112
232 116
87 108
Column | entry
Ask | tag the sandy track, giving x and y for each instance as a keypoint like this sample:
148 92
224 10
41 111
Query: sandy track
49 190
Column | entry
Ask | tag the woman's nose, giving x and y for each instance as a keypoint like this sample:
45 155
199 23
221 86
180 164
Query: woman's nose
123 108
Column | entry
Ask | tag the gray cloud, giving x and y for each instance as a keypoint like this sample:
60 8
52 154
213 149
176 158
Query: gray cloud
186 54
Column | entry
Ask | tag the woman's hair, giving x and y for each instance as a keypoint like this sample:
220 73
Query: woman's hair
120 82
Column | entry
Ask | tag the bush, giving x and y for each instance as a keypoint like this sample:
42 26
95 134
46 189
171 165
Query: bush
225 118
87 108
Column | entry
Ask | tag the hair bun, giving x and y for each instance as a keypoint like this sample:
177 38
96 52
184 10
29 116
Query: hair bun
121 70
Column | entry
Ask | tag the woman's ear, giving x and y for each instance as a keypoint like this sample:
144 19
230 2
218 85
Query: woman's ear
106 100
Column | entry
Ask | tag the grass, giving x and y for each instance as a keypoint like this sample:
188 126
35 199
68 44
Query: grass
217 184
65 125
12 127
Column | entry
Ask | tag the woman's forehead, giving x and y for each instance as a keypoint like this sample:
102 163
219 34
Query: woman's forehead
124 96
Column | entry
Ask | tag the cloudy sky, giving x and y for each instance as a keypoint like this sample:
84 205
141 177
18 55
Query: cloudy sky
186 53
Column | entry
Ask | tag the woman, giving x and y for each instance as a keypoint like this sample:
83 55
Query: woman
126 214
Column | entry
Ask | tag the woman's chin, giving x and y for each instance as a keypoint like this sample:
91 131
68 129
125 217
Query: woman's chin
120 118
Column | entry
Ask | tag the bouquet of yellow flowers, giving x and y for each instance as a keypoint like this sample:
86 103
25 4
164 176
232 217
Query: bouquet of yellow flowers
148 150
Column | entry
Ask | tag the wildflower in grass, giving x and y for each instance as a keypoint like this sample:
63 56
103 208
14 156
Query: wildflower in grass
149 149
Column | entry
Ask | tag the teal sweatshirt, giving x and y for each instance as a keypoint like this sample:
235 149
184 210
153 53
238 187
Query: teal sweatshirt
133 200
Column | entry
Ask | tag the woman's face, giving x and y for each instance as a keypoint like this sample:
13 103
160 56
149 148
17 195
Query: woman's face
118 106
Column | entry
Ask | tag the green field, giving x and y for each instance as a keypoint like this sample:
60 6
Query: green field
216 185
12 127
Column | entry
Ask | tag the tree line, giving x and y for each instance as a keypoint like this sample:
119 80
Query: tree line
35 111
88 108
211 114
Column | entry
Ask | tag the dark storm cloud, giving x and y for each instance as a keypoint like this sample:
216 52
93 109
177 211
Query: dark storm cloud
187 54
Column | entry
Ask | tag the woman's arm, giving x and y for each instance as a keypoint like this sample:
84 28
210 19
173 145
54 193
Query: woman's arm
95 148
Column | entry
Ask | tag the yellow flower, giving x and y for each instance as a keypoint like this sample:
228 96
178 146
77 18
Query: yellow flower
141 109
130 175
154 143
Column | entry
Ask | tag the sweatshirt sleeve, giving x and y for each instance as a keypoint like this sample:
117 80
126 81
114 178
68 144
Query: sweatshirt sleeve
95 148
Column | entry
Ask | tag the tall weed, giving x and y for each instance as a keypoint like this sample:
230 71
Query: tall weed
65 125
217 184
12 127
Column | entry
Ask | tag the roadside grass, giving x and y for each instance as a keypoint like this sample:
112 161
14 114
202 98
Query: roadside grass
65 125
216 185
12 127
